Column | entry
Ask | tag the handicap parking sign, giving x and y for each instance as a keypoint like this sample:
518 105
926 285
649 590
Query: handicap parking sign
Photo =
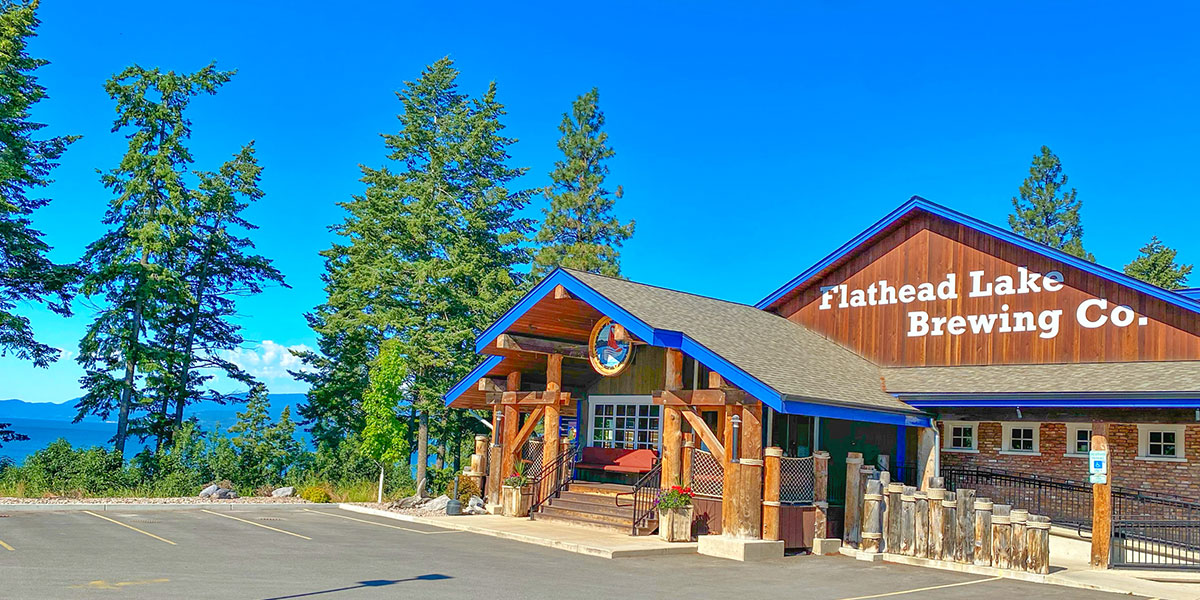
1097 462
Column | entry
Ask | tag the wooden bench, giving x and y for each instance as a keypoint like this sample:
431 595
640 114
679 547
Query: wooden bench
618 460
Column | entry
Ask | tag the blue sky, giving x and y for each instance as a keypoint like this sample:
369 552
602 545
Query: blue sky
751 142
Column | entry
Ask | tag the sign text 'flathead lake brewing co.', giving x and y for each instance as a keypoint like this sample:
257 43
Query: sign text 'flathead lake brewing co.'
1090 314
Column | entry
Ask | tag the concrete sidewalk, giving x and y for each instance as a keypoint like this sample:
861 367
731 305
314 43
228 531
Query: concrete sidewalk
581 540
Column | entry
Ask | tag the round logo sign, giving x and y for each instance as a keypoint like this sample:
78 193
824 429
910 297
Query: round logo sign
609 351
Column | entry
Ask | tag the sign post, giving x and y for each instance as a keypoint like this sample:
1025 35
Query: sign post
1101 496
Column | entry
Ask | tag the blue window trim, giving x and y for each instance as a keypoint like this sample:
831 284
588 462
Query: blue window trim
666 338
1189 300
465 383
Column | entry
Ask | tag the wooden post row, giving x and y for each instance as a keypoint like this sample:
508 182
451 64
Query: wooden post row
550 418
672 426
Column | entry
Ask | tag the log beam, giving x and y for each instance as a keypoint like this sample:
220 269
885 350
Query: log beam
672 431
537 345
706 435
528 398
528 427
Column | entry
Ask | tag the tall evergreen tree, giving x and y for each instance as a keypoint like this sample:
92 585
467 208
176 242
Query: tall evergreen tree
426 253
134 265
1156 264
580 231
26 273
1045 210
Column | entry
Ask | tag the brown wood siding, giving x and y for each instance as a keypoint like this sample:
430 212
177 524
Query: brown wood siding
645 375
706 516
925 248
797 524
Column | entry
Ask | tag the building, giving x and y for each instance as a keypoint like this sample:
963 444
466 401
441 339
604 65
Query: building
930 341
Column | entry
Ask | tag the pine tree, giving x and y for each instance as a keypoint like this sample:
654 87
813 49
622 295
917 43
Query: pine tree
427 254
27 276
133 265
579 230
1046 211
7 435
1156 264
384 434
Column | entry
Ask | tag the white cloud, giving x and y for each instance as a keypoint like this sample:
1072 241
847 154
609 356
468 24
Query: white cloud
267 361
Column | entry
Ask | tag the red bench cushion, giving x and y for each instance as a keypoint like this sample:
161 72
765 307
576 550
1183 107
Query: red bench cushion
619 460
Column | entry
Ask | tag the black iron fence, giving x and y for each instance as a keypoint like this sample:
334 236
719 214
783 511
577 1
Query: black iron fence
1067 503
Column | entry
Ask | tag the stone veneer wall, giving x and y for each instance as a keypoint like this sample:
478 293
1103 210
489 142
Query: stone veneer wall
1161 477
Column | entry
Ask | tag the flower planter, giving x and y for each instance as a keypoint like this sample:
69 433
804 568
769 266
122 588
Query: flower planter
675 524
517 500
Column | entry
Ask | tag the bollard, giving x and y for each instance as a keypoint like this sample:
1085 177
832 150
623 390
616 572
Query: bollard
1018 518
908 516
983 532
872 532
921 525
1001 536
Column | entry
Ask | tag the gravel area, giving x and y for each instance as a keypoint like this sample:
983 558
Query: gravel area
187 500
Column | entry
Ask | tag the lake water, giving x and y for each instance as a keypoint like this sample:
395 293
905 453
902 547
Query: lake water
41 432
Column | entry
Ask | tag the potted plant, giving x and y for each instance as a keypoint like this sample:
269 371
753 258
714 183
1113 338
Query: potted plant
675 514
517 493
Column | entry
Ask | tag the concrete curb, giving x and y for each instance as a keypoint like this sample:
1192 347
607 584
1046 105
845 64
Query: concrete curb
577 548
11 508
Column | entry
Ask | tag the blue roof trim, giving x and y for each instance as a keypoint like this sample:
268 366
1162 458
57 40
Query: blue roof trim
466 382
1063 403
664 338
1190 293
917 202
830 411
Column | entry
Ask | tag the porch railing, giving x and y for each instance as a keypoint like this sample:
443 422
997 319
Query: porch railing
645 498
551 479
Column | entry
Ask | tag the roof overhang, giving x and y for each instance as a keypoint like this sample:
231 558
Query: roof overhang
1056 400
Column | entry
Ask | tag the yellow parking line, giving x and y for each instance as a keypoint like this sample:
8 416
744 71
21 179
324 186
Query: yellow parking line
924 589
303 537
130 527
381 524
6 546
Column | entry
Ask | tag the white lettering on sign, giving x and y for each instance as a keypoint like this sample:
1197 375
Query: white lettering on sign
1090 314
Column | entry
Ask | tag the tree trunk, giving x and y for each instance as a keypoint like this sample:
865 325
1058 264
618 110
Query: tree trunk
131 362
456 444
422 450
186 367
380 497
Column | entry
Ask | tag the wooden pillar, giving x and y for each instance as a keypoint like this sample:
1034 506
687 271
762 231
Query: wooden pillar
983 532
672 442
895 492
1001 536
949 526
852 527
478 466
770 502
927 456
1102 503
685 462
872 532
964 535
936 495
512 424
908 521
550 418
885 479
1037 544
752 445
1017 518
921 525
821 494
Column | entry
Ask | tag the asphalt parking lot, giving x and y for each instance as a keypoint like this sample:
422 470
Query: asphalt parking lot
323 552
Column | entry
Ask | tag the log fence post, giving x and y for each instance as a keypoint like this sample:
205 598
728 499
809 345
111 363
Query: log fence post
1037 544
908 521
821 494
921 525
964 534
872 532
949 526
770 495
983 532
895 492
885 480
852 526
1018 518
937 495
1002 536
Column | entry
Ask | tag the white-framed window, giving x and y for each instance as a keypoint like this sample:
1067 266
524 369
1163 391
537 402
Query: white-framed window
624 422
1161 442
960 436
1079 439
1022 438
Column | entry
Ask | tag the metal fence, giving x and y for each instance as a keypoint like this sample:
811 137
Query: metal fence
796 480
1153 544
1066 502
707 476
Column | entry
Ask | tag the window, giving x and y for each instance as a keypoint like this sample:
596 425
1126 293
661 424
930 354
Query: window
1079 440
1021 438
959 436
1161 442
624 424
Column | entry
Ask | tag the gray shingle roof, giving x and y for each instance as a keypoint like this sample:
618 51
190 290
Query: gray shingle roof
785 356
1149 377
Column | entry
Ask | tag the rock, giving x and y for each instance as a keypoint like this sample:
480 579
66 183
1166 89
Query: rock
408 502
437 504
475 501
209 491
284 492
222 493
474 510
232 494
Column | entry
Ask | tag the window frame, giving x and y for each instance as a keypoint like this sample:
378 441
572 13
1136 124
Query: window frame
1073 430
1006 438
948 436
595 402
1144 435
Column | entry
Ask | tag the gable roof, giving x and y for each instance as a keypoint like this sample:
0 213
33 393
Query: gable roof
1185 300
1132 378
783 364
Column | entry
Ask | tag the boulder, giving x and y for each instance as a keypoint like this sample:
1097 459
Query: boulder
474 510
284 492
231 495
437 504
222 493
409 502
209 491
475 501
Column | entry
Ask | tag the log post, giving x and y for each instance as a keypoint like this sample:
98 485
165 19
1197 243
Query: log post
685 470
921 524
949 526
672 425
512 424
479 463
821 494
937 495
872 532
885 480
1037 544
908 521
983 532
1102 503
895 510
770 502
852 527
1018 518
550 420
964 540
1001 536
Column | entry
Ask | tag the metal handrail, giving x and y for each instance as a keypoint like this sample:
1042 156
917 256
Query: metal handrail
645 497
564 464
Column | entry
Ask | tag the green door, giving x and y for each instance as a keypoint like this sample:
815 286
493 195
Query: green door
840 437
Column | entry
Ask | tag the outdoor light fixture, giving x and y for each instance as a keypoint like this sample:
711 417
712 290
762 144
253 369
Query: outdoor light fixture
1019 412
735 451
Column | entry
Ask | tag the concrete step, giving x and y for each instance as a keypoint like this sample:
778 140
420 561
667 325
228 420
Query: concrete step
591 523
573 503
601 500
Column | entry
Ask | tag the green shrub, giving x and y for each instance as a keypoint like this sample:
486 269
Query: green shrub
315 493
466 488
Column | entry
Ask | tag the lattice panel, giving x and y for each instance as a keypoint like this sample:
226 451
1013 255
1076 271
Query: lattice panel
708 476
796 480
532 454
